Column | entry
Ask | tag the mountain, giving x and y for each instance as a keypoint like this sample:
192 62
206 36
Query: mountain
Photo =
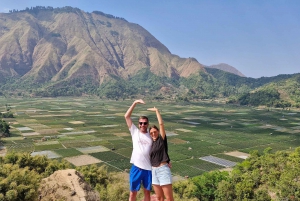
46 45
46 51
227 68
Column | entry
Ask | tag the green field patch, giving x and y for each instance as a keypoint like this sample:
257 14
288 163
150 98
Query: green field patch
109 167
46 143
68 152
126 152
79 132
108 156
48 154
175 156
74 144
27 121
11 138
89 150
50 115
176 141
183 170
20 147
47 147
202 165
122 164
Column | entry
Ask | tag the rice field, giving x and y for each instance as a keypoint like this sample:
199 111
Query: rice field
88 131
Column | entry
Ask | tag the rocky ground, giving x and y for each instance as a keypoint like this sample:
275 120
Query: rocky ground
67 185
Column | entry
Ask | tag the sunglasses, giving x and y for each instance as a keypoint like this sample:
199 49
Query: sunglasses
143 123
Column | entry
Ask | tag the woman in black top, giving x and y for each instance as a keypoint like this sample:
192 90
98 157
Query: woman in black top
159 158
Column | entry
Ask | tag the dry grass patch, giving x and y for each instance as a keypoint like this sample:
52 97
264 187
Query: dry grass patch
30 134
26 121
46 143
238 154
221 124
51 115
24 128
106 126
121 134
83 160
76 122
47 131
37 126
183 130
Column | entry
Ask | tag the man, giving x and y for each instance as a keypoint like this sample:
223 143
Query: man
140 171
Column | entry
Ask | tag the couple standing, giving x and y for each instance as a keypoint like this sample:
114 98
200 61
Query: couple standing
150 159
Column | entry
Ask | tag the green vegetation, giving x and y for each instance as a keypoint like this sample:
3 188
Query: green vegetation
21 174
280 91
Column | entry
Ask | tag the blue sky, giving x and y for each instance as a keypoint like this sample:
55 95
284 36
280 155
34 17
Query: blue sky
257 37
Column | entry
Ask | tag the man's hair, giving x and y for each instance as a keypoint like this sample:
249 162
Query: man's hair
144 117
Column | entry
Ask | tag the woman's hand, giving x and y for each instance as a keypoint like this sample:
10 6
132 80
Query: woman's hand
154 109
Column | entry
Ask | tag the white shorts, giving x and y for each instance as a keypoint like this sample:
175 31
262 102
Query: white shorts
161 175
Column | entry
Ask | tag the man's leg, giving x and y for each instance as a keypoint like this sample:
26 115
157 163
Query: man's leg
147 182
135 182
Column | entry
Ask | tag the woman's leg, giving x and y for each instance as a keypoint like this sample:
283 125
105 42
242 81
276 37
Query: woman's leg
159 192
168 192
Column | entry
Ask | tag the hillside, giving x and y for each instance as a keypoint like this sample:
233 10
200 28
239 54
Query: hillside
51 45
283 93
227 68
50 52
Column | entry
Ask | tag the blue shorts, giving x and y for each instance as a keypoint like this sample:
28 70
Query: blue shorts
138 176
161 175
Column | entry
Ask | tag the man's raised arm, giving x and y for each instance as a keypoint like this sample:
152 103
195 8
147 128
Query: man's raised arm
129 111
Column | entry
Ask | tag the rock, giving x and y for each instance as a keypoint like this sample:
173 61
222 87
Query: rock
67 185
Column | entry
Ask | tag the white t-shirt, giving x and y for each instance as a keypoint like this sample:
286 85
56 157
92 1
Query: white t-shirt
142 142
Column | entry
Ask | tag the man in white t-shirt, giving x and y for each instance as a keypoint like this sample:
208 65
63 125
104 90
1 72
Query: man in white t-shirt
140 171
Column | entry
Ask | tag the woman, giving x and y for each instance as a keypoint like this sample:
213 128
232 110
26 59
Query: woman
159 158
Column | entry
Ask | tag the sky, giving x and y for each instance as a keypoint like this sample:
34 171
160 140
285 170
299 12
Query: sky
257 37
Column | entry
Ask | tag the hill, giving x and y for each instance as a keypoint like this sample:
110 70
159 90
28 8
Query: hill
57 46
227 68
50 52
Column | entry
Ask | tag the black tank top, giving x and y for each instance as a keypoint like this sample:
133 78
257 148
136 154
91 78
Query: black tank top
159 152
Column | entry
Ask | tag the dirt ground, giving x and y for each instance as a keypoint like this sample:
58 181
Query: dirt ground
67 185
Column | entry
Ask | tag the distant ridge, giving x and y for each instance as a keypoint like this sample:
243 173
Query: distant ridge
227 68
